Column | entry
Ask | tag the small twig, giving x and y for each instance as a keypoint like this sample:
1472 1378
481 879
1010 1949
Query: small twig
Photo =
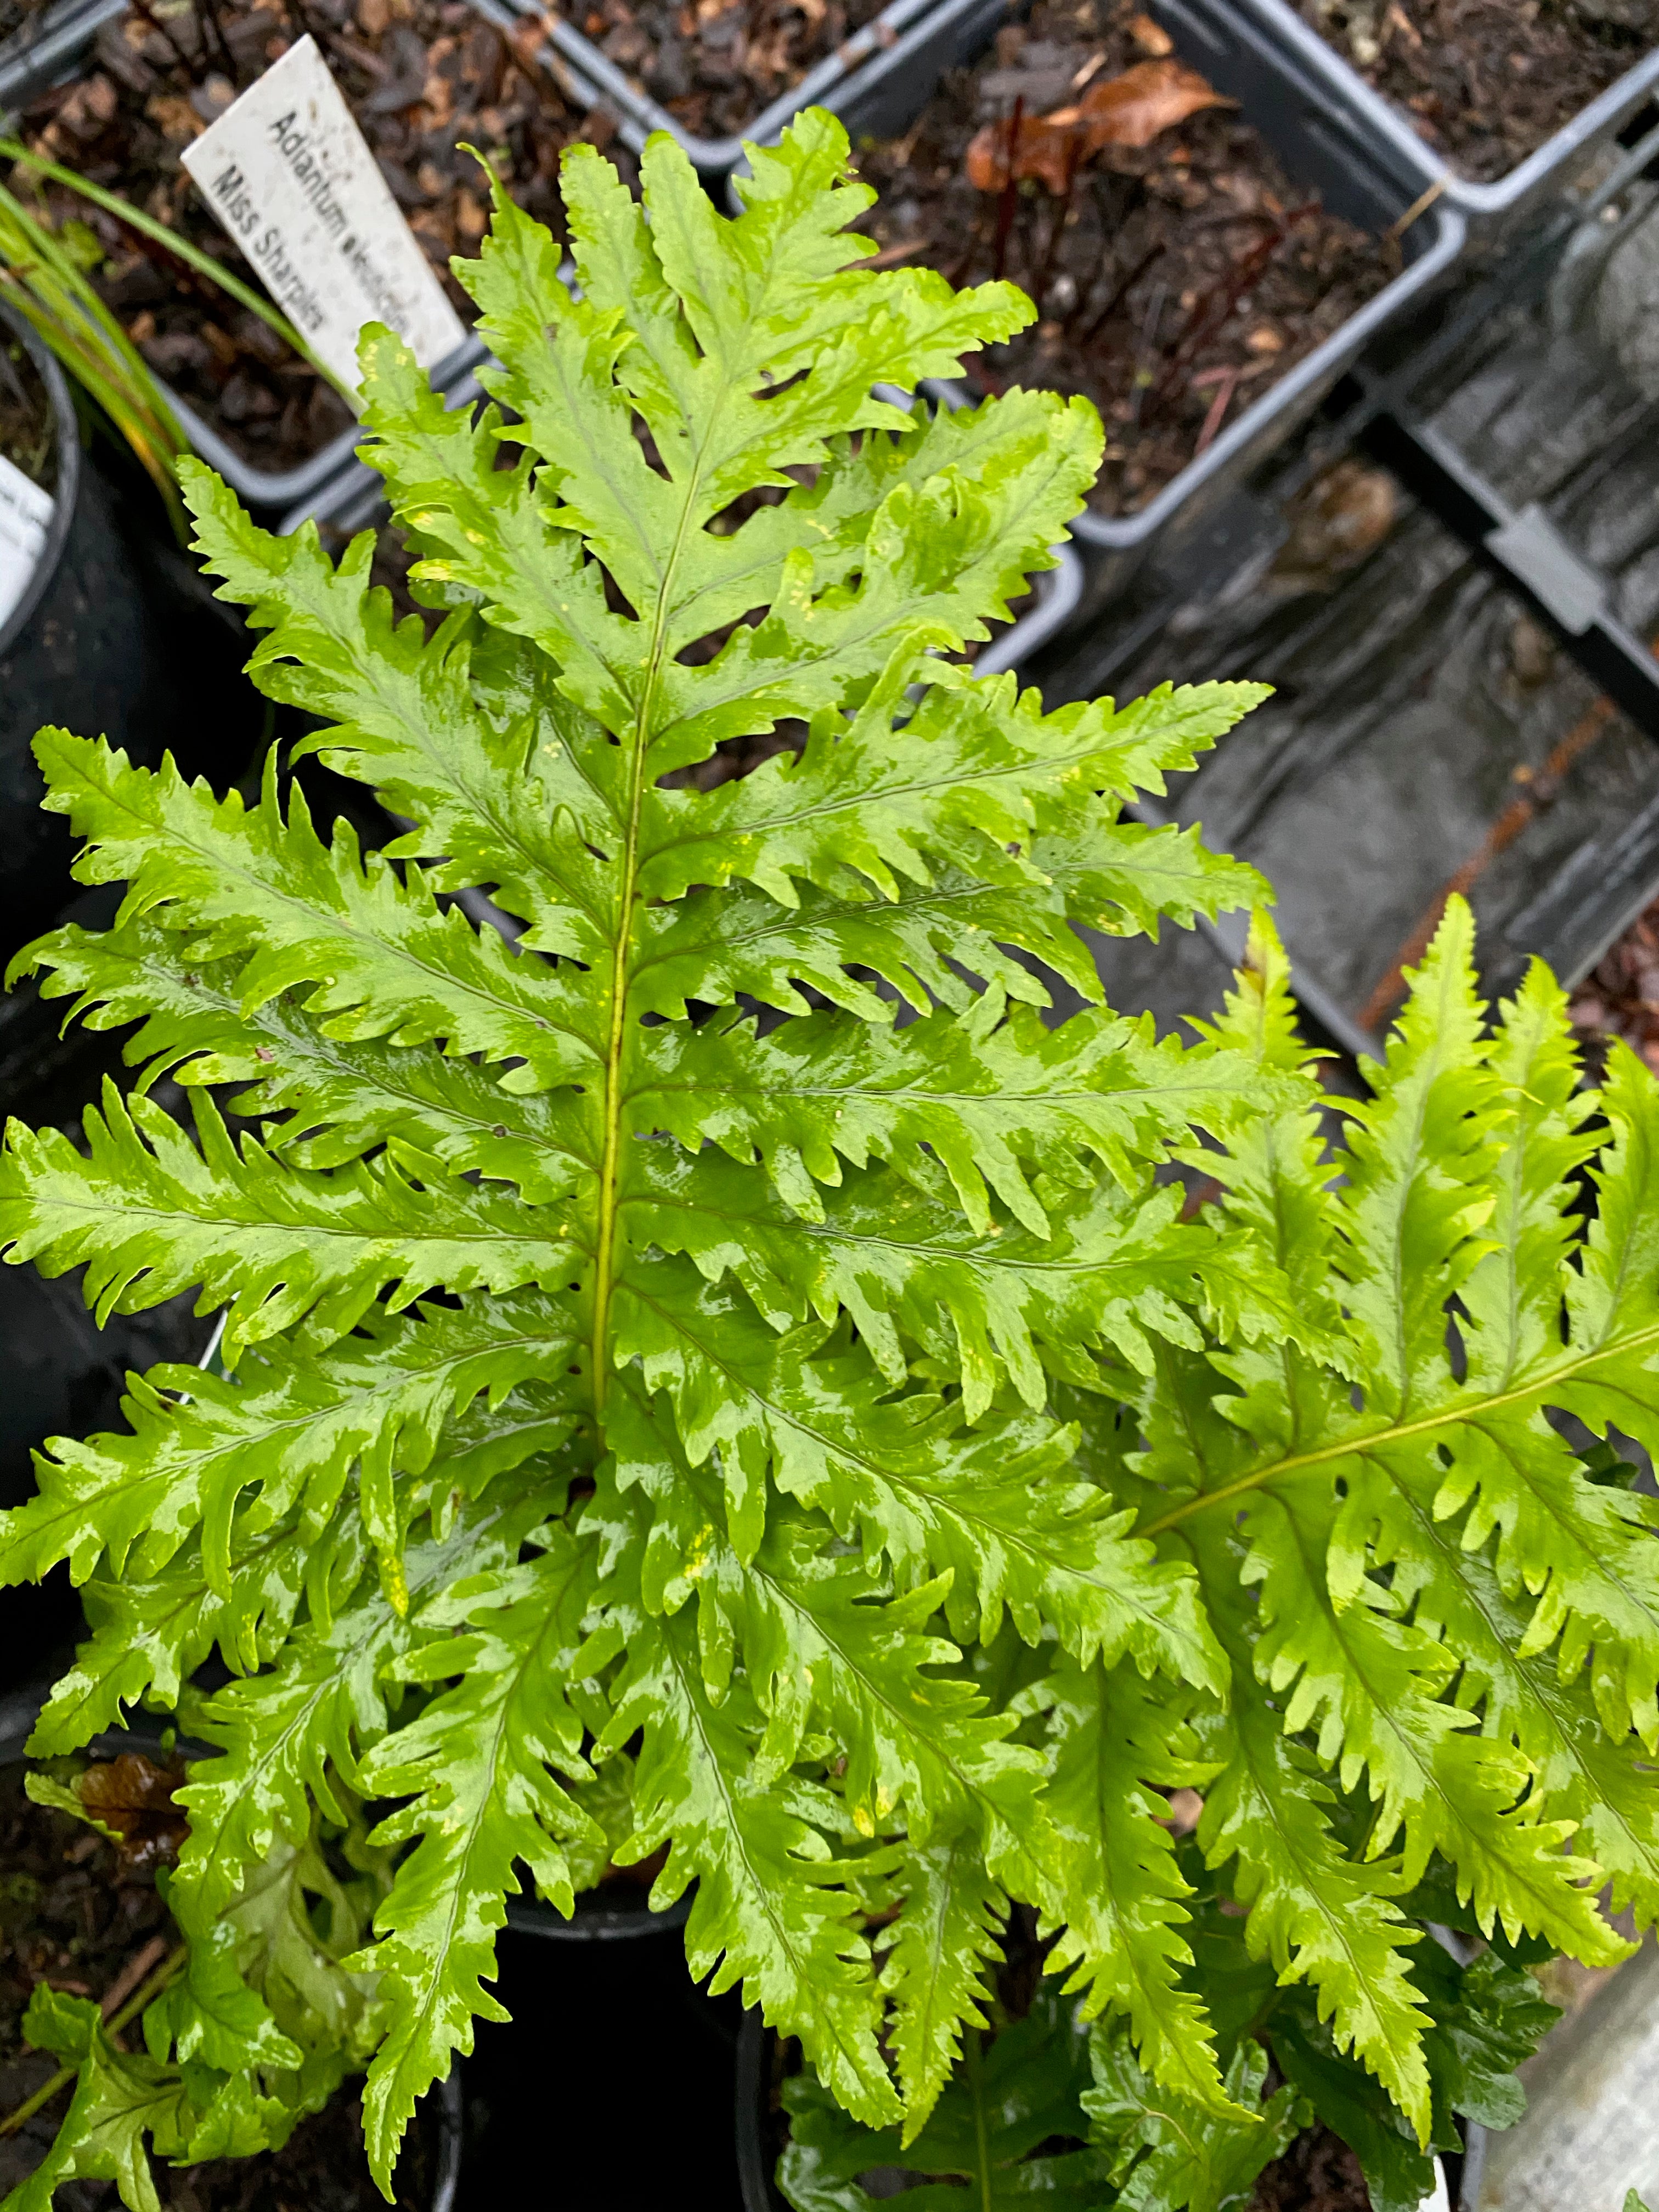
130 2011
1425 200
889 254
1226 383
132 1973
220 40
146 13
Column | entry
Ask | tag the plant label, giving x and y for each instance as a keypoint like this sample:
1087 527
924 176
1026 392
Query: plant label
291 178
25 513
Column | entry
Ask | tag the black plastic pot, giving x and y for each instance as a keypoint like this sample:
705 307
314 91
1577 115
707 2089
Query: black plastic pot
911 36
117 636
18 1710
1495 211
596 1919
1358 174
759 2135
49 47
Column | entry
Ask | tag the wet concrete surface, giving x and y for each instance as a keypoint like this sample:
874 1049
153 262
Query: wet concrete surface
1425 732
1591 2128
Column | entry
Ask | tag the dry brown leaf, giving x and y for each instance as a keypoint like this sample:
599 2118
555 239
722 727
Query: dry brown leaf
1131 110
133 1796
1151 37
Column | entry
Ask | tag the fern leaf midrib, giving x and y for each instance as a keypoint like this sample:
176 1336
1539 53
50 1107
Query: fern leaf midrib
615 1096
1353 1446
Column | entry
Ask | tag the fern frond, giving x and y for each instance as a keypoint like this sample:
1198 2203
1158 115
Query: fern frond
995 1509
1442 1584
945 1496
475 1765
1119 1907
944 1945
382 957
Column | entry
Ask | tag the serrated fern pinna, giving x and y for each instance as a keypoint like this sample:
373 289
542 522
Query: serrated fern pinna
687 1348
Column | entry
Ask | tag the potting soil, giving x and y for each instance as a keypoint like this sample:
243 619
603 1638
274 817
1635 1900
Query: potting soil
83 1915
27 430
422 78
1487 82
714 64
1317 2174
1176 280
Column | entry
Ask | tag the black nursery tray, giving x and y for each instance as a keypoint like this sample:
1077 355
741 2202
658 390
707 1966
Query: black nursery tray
1357 174
1495 211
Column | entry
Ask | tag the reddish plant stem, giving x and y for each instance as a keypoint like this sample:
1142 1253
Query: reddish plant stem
1226 384
1062 209
1010 194
1123 290
1211 312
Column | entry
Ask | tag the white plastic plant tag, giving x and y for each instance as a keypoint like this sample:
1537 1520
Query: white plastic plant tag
290 176
26 514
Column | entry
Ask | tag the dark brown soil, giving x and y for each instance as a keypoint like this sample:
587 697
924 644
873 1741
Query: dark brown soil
15 13
1175 283
713 65
1620 998
27 433
1487 82
1317 2174
79 1914
421 75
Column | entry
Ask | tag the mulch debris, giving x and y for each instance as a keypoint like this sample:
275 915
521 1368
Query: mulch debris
1317 2174
1177 276
421 76
1487 82
714 64
1620 997
82 1914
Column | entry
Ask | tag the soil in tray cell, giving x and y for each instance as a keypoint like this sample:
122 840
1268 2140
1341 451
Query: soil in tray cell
28 436
1177 271
420 76
1619 997
1487 82
714 64
83 1915
1317 2174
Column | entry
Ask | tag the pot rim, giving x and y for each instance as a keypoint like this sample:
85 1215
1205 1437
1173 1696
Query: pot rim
66 497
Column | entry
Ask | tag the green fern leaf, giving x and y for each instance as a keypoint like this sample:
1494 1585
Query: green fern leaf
475 1765
1119 1908
716 1317
1168 2153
